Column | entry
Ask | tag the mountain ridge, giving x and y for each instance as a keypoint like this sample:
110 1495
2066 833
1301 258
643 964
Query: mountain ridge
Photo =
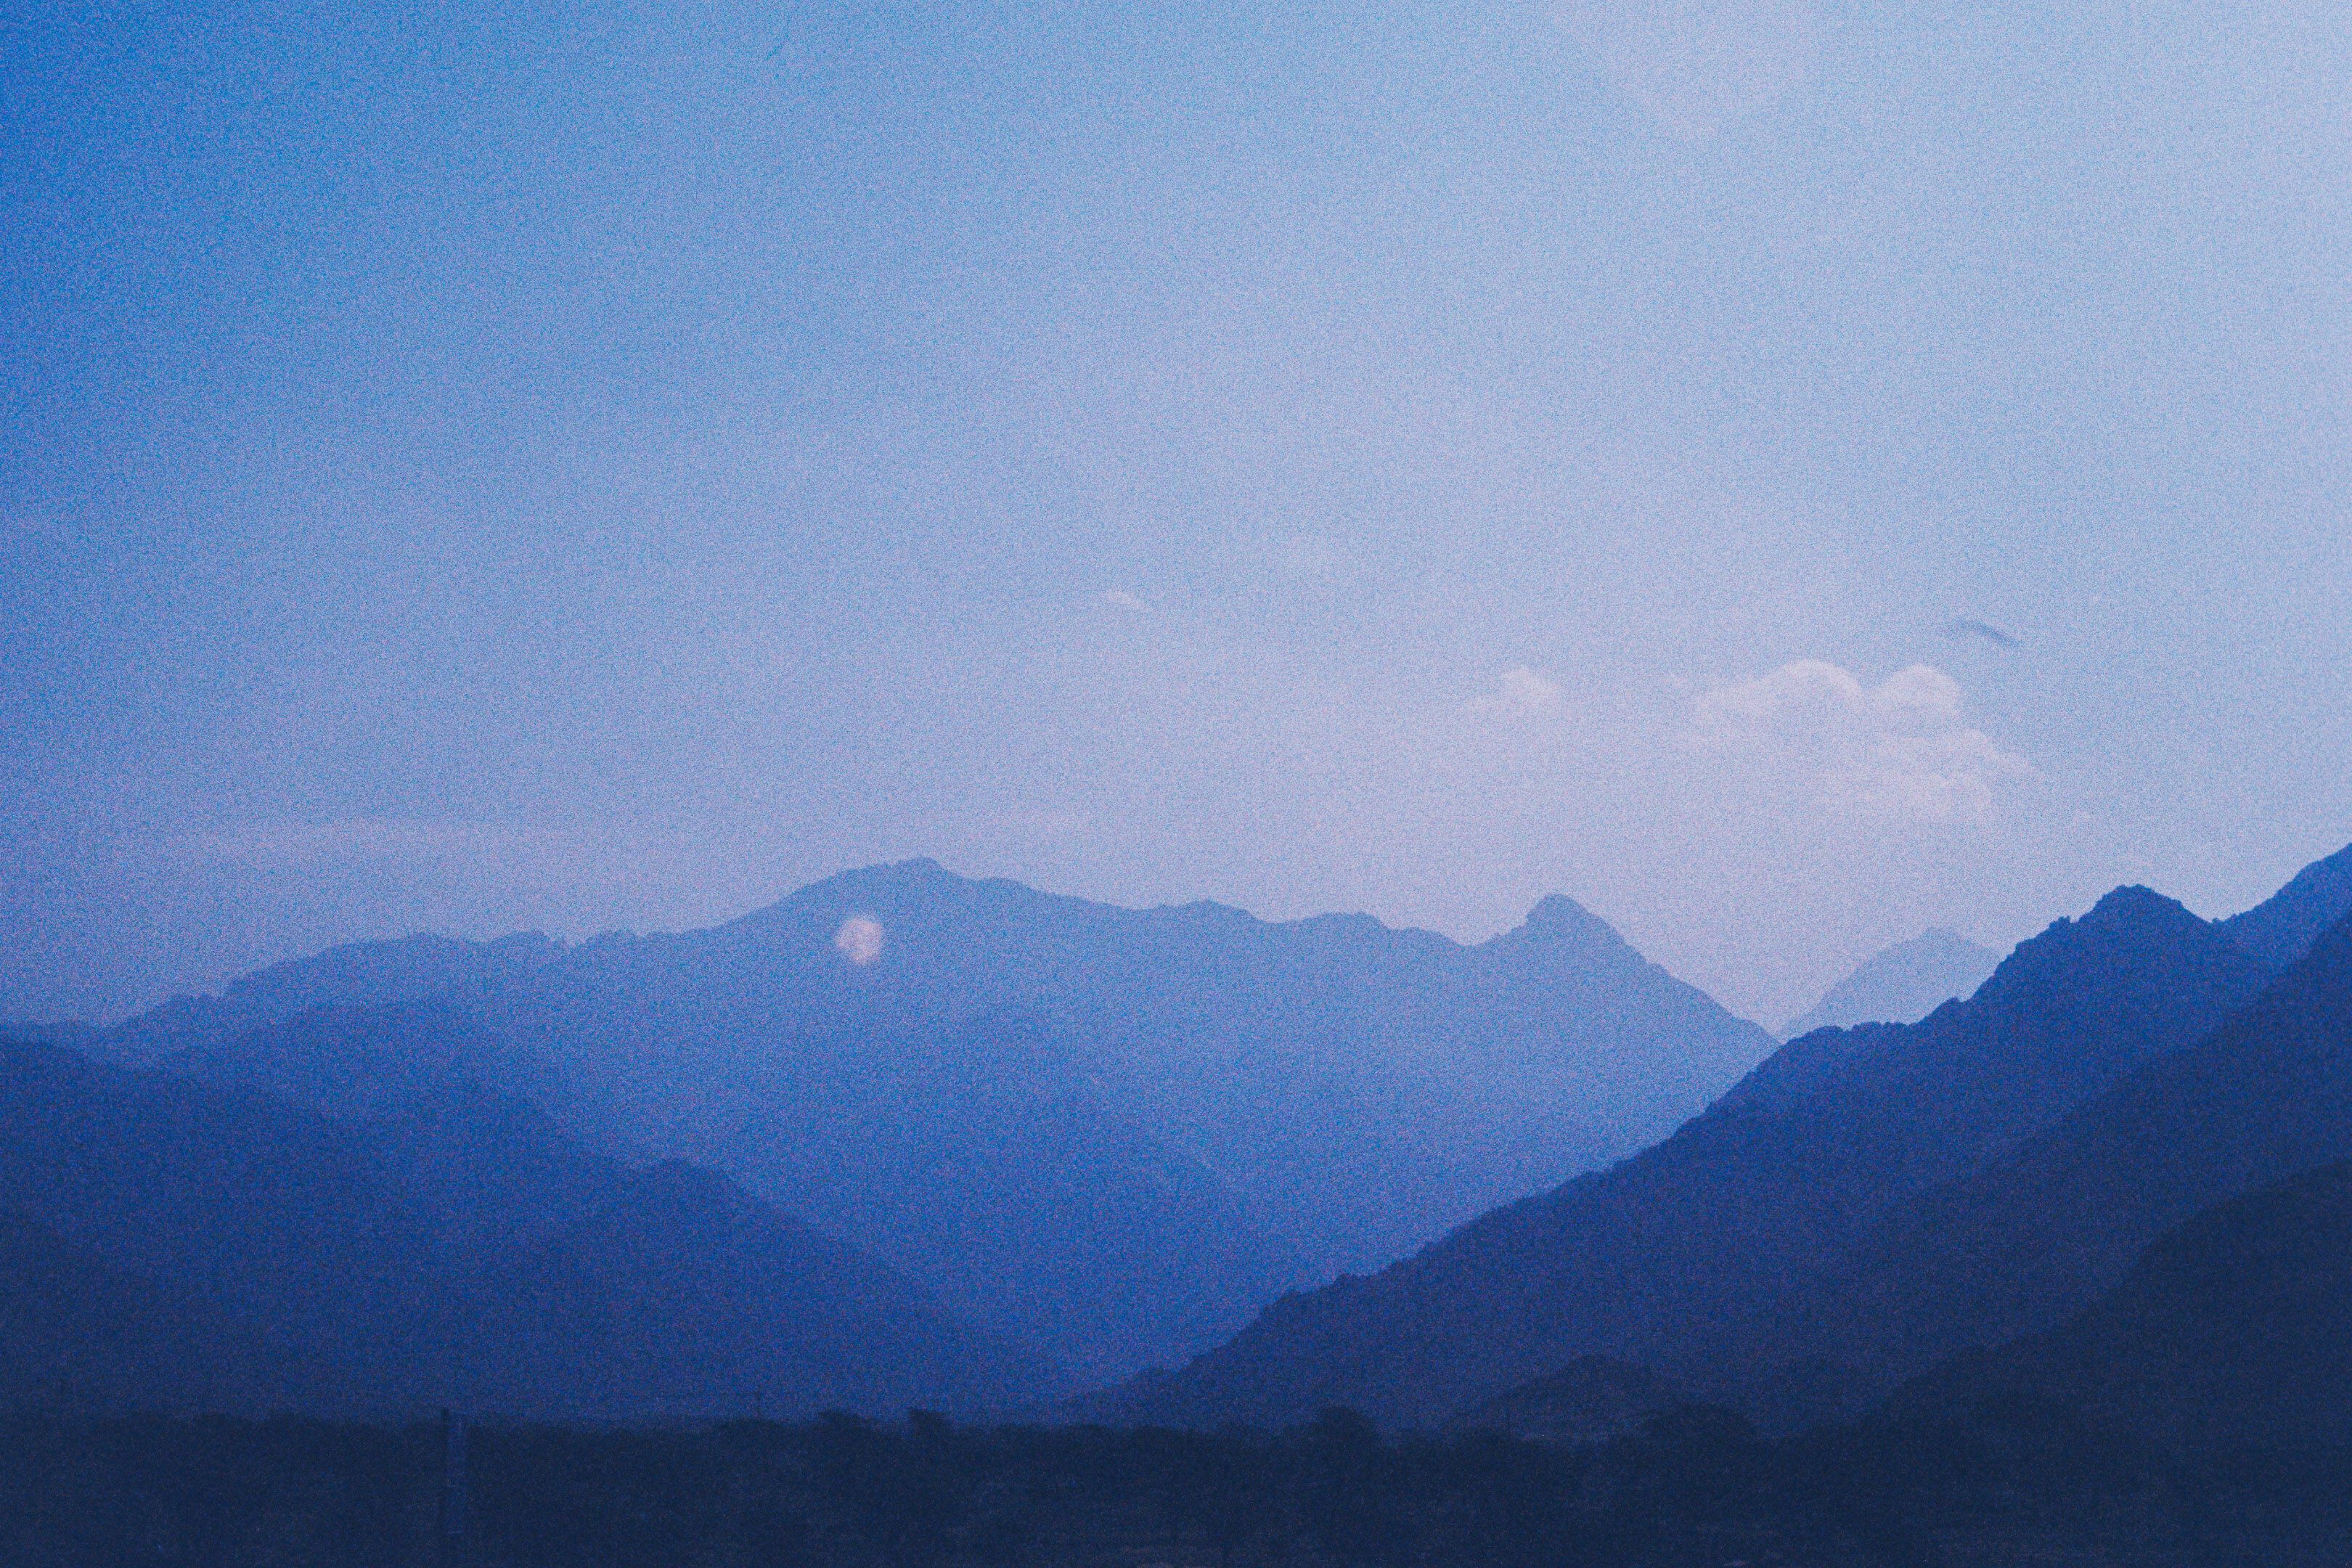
1111 1133
2013 1248
1734 1209
377 1262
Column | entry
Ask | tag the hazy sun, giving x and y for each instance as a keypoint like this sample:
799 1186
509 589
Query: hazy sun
859 938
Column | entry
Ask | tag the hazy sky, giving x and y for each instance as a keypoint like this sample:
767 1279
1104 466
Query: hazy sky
1786 475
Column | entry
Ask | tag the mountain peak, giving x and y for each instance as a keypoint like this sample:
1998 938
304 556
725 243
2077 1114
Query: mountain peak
1558 917
2134 904
2132 925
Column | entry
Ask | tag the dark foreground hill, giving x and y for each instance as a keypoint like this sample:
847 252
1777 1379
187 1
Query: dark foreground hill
2233 1329
1691 1490
174 1245
1740 1209
2016 1248
1111 1133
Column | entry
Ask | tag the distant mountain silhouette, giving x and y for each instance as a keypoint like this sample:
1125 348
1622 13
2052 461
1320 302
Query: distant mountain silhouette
1902 984
1112 1133
2234 1328
439 1256
2015 1248
2282 927
1736 1213
357 975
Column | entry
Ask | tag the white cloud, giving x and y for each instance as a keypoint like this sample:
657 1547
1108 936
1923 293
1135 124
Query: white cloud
1122 598
1901 749
859 938
1520 693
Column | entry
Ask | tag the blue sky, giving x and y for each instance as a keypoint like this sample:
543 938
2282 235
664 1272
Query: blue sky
474 467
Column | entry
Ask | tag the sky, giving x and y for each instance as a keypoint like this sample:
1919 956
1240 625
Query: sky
1786 475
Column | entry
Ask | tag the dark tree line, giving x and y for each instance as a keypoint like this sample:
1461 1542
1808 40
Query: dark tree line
1695 1487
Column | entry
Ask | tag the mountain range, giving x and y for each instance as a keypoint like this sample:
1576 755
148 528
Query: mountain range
2015 1246
168 1241
1864 1202
1110 1135
909 1139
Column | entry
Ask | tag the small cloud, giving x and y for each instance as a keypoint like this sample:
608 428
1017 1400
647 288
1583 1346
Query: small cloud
1521 693
1122 598
859 940
1960 628
1901 749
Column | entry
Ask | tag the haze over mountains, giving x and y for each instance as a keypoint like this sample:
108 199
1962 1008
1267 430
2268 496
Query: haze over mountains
462 1252
906 1139
1728 1254
1901 985
1109 1135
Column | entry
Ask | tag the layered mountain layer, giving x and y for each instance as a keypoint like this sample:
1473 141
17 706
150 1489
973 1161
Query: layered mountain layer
1864 1203
168 1244
1112 1134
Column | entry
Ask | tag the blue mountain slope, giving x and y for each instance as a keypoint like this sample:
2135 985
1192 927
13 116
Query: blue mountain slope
386 1267
2282 928
2233 1328
1745 1204
1113 1132
2018 1245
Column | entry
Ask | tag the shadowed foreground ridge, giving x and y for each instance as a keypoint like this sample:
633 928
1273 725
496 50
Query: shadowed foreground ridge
2195 1416
173 1244
1728 1219
2235 1326
2031 1238
1694 1488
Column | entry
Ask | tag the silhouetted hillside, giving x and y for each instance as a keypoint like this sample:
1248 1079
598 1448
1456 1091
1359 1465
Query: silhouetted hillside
1742 1207
2282 928
428 1258
2233 1328
1110 1133
1901 985
1692 1489
2018 1247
